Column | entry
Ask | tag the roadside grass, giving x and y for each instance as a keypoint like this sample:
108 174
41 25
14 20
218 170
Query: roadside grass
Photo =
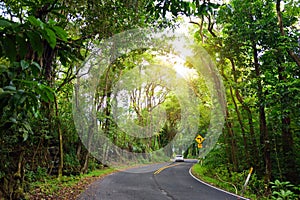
204 174
201 173
68 187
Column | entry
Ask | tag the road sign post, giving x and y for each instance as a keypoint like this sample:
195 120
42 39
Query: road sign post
199 139
247 180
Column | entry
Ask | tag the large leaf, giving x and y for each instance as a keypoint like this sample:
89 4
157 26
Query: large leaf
10 88
36 22
45 92
24 64
35 68
60 32
36 65
35 41
50 37
4 23
22 45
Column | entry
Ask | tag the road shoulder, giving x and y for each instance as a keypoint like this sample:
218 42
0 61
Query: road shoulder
196 178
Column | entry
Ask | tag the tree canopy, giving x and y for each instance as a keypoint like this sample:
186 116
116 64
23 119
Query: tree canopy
43 47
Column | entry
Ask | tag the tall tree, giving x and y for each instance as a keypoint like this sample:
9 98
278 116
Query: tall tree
41 42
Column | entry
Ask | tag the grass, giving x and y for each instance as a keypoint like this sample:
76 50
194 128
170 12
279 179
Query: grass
201 173
205 175
98 172
68 187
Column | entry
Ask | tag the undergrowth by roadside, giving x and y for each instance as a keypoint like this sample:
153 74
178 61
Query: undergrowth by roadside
69 187
232 183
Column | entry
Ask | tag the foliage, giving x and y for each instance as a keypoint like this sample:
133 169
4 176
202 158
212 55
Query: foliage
256 47
69 187
232 182
41 46
259 74
284 190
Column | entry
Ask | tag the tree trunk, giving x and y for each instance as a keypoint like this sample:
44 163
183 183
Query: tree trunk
78 151
254 160
280 23
242 127
85 166
61 149
233 147
238 116
290 171
264 136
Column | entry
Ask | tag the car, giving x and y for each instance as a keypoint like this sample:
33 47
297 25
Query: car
179 158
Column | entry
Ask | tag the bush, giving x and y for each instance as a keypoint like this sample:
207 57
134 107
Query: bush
284 190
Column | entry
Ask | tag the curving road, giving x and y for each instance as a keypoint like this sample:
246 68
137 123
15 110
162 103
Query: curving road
168 181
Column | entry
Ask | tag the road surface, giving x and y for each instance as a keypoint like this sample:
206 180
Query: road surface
167 181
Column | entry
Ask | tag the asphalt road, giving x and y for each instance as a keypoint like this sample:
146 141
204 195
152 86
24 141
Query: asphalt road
168 181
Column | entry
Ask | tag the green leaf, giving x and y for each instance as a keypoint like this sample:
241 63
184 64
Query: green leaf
36 68
13 120
50 94
60 32
36 22
33 100
22 45
24 65
35 64
27 127
47 94
10 87
50 37
25 135
22 99
4 23
51 22
35 42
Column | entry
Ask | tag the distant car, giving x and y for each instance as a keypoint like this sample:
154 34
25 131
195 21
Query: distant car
179 158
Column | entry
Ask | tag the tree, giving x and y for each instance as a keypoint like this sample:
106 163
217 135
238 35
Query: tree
41 42
251 39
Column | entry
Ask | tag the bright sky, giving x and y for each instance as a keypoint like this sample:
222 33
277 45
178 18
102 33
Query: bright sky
178 65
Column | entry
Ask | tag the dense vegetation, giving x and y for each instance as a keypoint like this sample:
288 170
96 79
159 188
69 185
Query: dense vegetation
255 45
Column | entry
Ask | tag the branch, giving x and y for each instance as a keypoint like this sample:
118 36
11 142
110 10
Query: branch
280 23
68 79
236 191
211 26
200 27
192 22
43 11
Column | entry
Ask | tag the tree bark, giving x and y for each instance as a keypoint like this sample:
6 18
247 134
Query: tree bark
280 24
254 150
233 147
264 136
290 171
239 118
85 166
78 151
242 127
61 149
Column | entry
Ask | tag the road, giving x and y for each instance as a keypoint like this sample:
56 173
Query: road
168 181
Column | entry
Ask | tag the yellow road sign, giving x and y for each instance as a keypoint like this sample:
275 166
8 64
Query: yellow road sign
199 145
199 139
